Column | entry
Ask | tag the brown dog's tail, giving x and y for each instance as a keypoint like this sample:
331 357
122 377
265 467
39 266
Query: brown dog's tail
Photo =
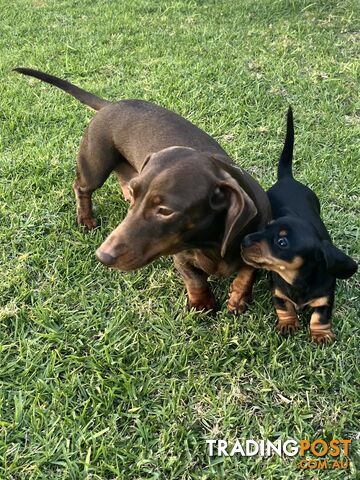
83 96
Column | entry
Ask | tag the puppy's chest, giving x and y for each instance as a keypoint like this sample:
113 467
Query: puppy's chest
211 262
301 298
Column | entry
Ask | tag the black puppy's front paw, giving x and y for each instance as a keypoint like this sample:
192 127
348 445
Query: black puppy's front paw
289 328
322 337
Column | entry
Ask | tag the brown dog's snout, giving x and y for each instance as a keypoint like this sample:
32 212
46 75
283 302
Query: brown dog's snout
105 258
109 256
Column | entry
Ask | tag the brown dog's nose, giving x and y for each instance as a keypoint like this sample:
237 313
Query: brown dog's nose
105 258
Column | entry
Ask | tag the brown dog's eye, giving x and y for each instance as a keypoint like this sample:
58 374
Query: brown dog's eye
164 211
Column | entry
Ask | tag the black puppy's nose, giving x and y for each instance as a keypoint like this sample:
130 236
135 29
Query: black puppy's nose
105 258
247 242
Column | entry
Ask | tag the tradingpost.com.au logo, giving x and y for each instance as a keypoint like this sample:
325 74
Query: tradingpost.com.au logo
310 455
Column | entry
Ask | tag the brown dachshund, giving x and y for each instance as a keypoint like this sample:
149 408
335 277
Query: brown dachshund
187 197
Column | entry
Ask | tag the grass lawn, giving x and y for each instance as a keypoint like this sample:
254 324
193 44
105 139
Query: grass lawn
105 375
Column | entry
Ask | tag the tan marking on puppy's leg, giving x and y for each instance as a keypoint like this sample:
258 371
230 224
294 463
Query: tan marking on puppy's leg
320 332
84 213
288 321
278 293
319 302
241 290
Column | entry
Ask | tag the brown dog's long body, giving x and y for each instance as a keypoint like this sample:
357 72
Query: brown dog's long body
187 197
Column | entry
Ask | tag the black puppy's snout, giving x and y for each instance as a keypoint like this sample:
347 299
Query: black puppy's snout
105 258
247 242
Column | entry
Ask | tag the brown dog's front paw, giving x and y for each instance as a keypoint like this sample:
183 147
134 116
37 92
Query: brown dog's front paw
322 336
238 305
202 299
289 328
241 291
89 223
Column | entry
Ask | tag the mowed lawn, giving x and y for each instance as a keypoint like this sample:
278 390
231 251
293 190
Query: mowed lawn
106 375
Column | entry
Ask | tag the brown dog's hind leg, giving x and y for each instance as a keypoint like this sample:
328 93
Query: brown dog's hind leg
84 213
320 325
97 158
288 321
241 290
200 296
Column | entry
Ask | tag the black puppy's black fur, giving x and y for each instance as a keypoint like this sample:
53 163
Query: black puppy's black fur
296 247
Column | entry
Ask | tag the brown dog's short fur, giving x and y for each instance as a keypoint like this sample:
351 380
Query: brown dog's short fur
187 197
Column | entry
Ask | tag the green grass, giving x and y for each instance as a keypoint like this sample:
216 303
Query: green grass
106 375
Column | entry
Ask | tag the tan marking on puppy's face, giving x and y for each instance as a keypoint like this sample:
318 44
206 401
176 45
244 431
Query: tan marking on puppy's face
287 270
259 255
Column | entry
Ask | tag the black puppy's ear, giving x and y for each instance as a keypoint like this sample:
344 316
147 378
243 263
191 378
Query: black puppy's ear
338 263
240 211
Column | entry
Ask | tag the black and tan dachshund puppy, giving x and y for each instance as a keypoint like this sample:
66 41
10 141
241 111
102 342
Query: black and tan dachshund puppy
296 247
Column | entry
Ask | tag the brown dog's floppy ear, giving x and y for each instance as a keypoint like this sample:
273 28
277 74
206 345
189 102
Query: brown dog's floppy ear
241 209
338 263
145 162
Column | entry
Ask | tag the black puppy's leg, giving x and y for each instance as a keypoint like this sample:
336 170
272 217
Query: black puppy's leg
241 290
95 162
288 321
320 324
199 293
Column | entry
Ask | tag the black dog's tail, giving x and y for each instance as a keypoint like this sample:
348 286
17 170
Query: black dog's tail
83 96
285 162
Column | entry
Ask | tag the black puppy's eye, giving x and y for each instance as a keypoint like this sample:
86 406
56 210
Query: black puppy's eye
282 242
